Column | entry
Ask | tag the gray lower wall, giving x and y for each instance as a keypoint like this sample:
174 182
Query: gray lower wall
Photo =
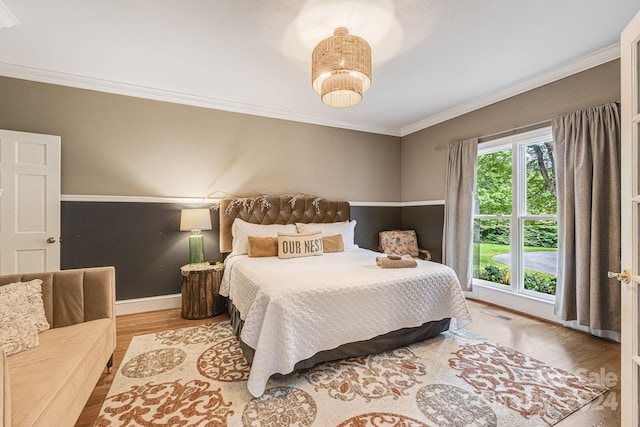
143 241
428 222
373 219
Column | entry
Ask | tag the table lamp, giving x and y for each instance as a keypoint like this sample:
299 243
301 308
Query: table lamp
195 220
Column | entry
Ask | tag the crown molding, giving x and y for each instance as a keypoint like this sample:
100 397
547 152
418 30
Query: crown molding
138 91
7 19
586 62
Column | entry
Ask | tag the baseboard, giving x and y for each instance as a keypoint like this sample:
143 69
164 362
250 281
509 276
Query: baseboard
140 305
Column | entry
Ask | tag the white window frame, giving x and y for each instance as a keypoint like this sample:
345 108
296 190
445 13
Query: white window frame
517 143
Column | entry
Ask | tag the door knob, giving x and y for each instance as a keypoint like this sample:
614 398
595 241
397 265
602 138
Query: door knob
625 276
51 240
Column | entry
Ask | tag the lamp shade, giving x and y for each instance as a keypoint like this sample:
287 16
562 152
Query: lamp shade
195 219
341 69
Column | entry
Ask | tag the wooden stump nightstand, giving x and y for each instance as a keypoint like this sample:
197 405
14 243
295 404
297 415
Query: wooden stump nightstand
200 290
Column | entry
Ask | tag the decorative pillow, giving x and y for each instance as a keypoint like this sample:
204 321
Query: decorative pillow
31 306
399 242
346 229
17 333
263 246
332 243
299 245
241 230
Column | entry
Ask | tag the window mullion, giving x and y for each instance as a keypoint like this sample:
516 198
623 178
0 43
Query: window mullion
520 171
514 226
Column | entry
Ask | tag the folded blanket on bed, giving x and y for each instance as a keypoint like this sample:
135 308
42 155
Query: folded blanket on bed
396 262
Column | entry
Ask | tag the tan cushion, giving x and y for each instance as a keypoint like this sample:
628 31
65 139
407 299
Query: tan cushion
299 244
263 246
50 384
332 243
399 242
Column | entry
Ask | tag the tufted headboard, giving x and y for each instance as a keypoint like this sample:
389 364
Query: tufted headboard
278 210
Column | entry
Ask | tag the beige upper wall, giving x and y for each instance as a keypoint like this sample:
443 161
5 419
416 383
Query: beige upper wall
118 145
424 167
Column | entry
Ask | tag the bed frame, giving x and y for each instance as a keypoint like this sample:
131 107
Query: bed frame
310 209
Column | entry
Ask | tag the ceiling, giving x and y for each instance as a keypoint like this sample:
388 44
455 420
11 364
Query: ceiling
432 59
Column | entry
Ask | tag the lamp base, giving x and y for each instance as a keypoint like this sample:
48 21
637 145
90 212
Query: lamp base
196 247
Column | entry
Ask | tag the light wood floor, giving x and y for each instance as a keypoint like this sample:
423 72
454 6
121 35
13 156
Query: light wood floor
564 348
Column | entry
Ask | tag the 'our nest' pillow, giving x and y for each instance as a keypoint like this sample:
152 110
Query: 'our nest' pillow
345 228
299 244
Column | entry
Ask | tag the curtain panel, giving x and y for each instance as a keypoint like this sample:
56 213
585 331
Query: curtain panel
458 209
587 157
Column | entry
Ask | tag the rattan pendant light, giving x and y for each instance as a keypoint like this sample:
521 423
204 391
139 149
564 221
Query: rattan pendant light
341 69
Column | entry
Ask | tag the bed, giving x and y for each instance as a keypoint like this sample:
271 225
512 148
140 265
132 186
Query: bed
294 313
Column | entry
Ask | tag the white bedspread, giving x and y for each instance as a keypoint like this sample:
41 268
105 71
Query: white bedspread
294 308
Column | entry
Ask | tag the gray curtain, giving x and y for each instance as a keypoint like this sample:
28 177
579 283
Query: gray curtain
587 158
458 209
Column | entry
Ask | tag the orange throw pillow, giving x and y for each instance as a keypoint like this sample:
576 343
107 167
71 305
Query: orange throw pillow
333 243
262 246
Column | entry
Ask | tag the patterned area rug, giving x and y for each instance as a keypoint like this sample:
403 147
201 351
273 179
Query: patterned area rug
197 377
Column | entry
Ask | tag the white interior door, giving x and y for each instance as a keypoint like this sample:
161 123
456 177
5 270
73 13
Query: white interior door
29 202
630 130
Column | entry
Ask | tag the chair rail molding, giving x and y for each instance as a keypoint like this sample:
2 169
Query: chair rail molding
206 200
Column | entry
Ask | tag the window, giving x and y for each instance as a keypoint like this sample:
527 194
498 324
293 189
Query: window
515 224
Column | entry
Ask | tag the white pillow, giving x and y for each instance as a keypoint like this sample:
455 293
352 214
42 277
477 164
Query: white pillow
241 230
299 244
346 229
17 332
31 306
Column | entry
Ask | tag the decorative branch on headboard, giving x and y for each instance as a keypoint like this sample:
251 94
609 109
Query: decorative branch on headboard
295 197
249 203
